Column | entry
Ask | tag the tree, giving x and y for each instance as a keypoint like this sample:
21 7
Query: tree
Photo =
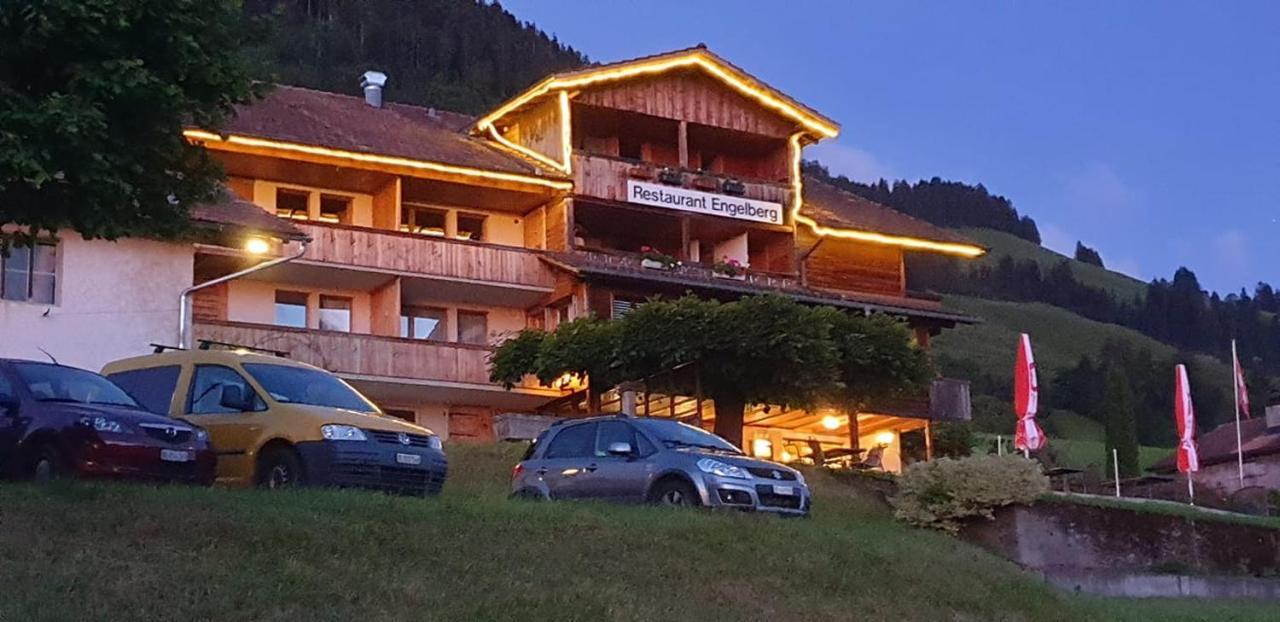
760 349
93 98
1088 255
1121 425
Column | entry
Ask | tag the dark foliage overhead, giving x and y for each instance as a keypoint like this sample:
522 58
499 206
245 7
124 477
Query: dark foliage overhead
1088 255
945 203
455 55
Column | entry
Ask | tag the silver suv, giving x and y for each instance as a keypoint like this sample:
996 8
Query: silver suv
636 460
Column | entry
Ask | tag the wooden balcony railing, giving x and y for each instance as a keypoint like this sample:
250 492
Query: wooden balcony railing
606 178
632 262
416 254
365 355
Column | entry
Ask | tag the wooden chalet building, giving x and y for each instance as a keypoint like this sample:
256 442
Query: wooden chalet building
434 235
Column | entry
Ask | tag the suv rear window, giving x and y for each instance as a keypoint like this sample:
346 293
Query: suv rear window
152 387
575 441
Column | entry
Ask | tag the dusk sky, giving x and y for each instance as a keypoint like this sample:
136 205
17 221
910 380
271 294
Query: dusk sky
1149 130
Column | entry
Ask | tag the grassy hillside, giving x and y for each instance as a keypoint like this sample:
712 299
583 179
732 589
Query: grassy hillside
1001 244
108 552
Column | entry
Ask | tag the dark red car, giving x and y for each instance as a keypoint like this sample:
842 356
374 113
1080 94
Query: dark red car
59 421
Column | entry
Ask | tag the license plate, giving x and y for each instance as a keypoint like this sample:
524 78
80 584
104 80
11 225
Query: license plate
174 455
784 490
408 459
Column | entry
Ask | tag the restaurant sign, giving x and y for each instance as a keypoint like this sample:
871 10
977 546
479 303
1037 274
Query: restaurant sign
687 200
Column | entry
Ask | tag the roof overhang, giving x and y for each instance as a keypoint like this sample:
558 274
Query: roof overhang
814 124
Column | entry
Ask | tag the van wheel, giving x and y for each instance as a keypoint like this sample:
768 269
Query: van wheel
279 468
48 465
675 493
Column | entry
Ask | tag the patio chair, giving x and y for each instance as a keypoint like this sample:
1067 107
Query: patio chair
873 461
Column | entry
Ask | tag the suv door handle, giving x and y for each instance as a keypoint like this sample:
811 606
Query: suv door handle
541 471
591 468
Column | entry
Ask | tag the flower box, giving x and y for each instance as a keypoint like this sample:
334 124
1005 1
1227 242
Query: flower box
736 277
671 177
654 264
734 187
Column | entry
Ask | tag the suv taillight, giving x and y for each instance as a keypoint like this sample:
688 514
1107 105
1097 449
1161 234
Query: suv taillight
517 470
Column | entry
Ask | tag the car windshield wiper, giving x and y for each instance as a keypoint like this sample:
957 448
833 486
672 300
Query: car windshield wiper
700 446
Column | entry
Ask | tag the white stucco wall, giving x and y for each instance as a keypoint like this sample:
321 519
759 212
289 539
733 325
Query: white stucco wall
112 300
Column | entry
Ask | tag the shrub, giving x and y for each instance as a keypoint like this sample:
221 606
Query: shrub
953 439
941 493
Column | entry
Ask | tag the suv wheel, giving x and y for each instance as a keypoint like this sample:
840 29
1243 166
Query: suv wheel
675 493
279 468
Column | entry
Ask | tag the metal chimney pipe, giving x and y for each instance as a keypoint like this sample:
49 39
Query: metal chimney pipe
372 83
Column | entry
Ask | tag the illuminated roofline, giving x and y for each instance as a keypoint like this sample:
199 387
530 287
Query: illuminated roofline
369 158
797 190
694 58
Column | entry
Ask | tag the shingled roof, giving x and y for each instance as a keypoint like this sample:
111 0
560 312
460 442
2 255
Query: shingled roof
230 213
1219 445
832 207
301 115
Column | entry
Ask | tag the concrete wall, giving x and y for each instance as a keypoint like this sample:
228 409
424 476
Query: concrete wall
1057 537
112 300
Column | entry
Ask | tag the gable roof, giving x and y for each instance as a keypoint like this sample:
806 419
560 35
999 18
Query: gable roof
304 116
696 57
835 212
1219 445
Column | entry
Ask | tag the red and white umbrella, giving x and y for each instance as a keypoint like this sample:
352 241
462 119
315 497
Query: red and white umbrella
1184 414
1026 399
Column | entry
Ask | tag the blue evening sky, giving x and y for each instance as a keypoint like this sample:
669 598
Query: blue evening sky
1150 130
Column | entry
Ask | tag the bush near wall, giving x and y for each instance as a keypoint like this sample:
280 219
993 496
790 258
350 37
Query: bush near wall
942 493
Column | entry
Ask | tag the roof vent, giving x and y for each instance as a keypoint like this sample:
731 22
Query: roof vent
372 83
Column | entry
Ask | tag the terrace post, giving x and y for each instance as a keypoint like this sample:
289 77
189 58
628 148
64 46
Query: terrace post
853 430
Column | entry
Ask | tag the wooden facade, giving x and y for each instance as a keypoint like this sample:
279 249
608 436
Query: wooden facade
364 355
845 265
606 178
421 255
689 96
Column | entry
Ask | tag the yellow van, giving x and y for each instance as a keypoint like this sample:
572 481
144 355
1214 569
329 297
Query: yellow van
277 423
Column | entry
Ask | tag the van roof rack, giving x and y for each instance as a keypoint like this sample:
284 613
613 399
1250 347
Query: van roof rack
157 348
209 344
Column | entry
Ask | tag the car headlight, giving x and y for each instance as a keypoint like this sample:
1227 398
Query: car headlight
433 442
716 467
339 432
102 424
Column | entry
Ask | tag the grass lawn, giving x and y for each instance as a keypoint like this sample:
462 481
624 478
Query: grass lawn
116 552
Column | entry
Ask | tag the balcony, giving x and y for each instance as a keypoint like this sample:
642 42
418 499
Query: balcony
381 361
606 177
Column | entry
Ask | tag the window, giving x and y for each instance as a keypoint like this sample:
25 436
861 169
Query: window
335 209
58 383
575 441
621 307
335 313
303 385
470 227
473 328
207 387
28 274
406 415
292 204
611 432
6 388
558 314
291 309
153 387
423 220
423 323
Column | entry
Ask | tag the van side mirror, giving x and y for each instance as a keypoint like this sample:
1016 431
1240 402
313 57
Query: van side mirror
233 397
620 449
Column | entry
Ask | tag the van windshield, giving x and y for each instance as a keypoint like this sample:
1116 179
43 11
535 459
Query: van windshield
299 385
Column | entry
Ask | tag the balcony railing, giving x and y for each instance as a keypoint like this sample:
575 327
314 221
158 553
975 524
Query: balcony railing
423 255
606 178
629 262
364 355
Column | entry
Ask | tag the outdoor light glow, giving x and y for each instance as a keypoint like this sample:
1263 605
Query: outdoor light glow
257 246
521 150
786 456
885 438
369 158
830 422
566 133
762 448
693 58
951 248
